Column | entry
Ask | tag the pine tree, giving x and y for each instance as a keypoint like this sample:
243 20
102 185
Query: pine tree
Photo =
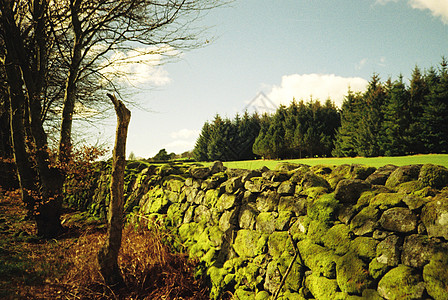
417 92
435 111
396 119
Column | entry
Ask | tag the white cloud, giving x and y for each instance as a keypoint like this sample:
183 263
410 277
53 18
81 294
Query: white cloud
183 140
139 66
185 134
438 8
180 146
319 86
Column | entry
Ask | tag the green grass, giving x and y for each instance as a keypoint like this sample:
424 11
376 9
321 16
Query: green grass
436 159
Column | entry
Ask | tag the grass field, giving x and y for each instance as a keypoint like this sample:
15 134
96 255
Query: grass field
437 159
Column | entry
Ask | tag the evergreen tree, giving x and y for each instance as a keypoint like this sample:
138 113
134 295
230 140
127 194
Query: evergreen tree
435 111
200 152
396 119
369 130
417 92
345 141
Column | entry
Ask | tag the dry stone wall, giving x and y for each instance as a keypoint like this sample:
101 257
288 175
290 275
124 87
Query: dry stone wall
301 232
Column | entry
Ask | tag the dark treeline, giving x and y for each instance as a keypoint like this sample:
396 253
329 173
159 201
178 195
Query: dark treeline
300 129
392 118
389 118
225 139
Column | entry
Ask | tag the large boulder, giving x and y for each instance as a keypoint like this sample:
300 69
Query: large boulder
399 219
419 249
380 176
435 217
388 251
403 174
402 282
435 275
433 176
349 190
352 274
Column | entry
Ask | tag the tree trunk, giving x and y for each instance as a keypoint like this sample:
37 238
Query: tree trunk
41 186
65 142
17 106
108 254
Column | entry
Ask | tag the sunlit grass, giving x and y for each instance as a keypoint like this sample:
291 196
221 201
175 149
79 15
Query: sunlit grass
437 159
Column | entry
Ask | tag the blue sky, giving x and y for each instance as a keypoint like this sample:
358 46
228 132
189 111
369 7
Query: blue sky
286 49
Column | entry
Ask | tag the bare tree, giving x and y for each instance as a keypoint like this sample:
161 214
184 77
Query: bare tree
50 51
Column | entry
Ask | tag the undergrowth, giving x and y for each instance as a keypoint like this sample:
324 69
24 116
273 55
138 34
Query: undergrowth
66 267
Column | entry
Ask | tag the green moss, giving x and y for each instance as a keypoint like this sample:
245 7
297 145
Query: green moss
249 243
352 274
211 198
435 275
433 176
317 231
216 276
321 287
278 243
402 282
409 187
377 269
366 197
364 247
384 201
313 192
338 238
323 209
262 295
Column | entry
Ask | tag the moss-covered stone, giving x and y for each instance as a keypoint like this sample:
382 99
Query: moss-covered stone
433 176
211 198
262 295
435 275
324 209
365 221
322 288
174 183
249 243
317 230
435 218
286 188
352 274
409 187
349 190
227 201
267 201
278 243
299 227
247 216
401 282
384 201
216 276
265 222
241 294
293 204
388 250
229 220
338 238
399 219
364 247
403 174
377 269
380 176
